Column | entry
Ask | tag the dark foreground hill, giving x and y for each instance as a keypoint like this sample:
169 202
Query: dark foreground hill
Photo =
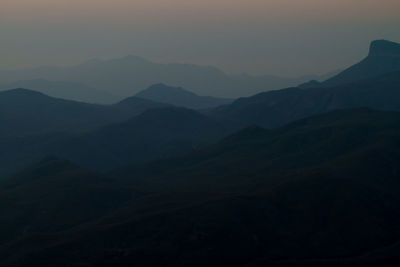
319 192
276 108
180 97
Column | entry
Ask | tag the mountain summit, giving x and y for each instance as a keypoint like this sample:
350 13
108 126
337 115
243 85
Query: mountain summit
383 57
384 48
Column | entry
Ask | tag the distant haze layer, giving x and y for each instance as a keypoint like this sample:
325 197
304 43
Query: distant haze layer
282 37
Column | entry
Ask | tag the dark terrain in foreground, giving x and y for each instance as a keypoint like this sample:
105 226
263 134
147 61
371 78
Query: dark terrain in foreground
322 191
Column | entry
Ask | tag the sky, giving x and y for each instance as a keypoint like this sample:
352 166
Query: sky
280 37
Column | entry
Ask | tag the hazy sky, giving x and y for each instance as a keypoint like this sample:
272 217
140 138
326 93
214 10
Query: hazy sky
286 37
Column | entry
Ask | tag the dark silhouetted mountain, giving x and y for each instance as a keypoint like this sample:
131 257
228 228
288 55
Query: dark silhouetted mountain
128 75
273 109
384 57
65 90
319 192
180 97
154 134
25 111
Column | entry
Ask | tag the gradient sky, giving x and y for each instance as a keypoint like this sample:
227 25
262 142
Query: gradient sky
283 37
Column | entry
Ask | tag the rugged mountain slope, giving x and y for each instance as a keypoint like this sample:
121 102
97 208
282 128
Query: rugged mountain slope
65 90
25 111
272 109
180 97
383 57
321 191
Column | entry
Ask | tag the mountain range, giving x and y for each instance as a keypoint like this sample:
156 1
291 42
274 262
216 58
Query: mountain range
124 77
92 136
302 176
108 81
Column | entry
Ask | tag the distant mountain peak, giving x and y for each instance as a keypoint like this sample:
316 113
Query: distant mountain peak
384 48
162 87
178 96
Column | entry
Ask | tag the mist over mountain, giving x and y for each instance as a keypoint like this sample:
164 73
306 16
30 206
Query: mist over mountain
309 194
383 57
180 97
129 75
